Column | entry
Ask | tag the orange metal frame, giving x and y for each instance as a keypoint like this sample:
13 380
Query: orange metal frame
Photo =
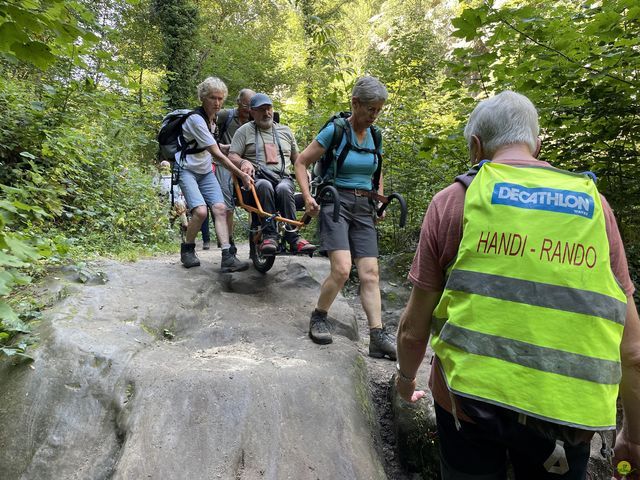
258 208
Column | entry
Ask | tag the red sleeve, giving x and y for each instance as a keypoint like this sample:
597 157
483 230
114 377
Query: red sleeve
439 239
617 254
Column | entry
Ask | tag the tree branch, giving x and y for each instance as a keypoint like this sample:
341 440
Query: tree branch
558 52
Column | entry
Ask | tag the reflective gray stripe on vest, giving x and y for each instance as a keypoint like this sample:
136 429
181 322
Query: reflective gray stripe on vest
538 294
437 324
574 365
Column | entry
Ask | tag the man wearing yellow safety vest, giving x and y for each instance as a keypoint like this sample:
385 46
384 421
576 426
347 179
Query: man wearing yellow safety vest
522 280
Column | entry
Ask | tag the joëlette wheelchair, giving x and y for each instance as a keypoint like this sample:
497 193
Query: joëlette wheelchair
322 194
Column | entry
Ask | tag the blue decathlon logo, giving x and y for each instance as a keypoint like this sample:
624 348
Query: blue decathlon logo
551 199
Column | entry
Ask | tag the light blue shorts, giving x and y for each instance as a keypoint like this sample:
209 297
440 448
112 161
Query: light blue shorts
200 188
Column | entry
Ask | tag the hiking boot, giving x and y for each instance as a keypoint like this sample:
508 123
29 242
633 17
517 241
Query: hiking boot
231 263
232 248
319 328
206 245
381 344
302 246
188 255
268 246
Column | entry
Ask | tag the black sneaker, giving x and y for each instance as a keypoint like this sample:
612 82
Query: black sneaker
319 328
188 255
381 344
231 263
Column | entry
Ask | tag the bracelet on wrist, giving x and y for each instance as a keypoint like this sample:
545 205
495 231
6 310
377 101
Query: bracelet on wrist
402 376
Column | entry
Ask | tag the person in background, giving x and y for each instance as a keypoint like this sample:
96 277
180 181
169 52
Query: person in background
162 181
354 235
521 277
198 182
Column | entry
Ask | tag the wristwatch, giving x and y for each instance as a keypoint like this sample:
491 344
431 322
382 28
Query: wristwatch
402 376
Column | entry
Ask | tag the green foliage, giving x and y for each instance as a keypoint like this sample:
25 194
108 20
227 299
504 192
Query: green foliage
423 151
578 63
240 44
75 149
39 31
178 20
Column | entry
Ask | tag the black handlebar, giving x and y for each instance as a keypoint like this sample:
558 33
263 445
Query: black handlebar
403 207
335 199
326 191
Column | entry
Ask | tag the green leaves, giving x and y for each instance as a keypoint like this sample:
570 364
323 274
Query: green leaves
578 63
468 23
37 53
10 33
36 31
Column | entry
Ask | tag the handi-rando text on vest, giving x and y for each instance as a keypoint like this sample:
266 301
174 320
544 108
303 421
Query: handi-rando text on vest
531 317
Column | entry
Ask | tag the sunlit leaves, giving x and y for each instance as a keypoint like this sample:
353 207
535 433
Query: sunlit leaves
36 32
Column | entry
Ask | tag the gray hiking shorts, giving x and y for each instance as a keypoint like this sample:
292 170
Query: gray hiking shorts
354 231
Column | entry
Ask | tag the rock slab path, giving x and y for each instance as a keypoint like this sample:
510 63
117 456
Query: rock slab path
166 373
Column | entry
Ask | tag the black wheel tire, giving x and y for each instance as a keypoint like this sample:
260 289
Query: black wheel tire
260 262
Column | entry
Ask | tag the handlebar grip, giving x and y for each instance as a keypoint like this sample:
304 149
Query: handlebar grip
403 208
335 199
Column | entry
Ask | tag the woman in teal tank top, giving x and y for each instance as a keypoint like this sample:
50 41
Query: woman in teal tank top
354 235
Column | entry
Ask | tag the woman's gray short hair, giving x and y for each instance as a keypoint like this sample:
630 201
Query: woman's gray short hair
369 89
212 84
505 119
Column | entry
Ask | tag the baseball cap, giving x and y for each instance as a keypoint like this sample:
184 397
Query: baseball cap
260 99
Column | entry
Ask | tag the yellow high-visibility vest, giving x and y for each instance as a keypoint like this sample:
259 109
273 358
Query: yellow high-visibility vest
531 317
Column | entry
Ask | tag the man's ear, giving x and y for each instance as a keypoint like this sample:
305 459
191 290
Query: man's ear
477 153
538 146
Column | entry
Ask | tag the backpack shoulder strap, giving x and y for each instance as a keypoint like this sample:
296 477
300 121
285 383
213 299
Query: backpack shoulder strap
276 138
376 134
341 129
466 178
328 158
230 115
200 111
184 145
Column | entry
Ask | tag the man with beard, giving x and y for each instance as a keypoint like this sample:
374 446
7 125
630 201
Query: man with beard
262 148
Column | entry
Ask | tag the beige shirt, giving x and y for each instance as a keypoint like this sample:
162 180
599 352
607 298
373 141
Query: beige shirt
244 144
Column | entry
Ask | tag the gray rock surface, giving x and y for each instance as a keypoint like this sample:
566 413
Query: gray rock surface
169 373
149 370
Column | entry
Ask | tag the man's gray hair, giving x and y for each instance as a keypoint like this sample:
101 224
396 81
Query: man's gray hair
245 93
369 89
505 119
212 84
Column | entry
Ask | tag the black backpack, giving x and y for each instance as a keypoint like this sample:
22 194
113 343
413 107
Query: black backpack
170 137
321 170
